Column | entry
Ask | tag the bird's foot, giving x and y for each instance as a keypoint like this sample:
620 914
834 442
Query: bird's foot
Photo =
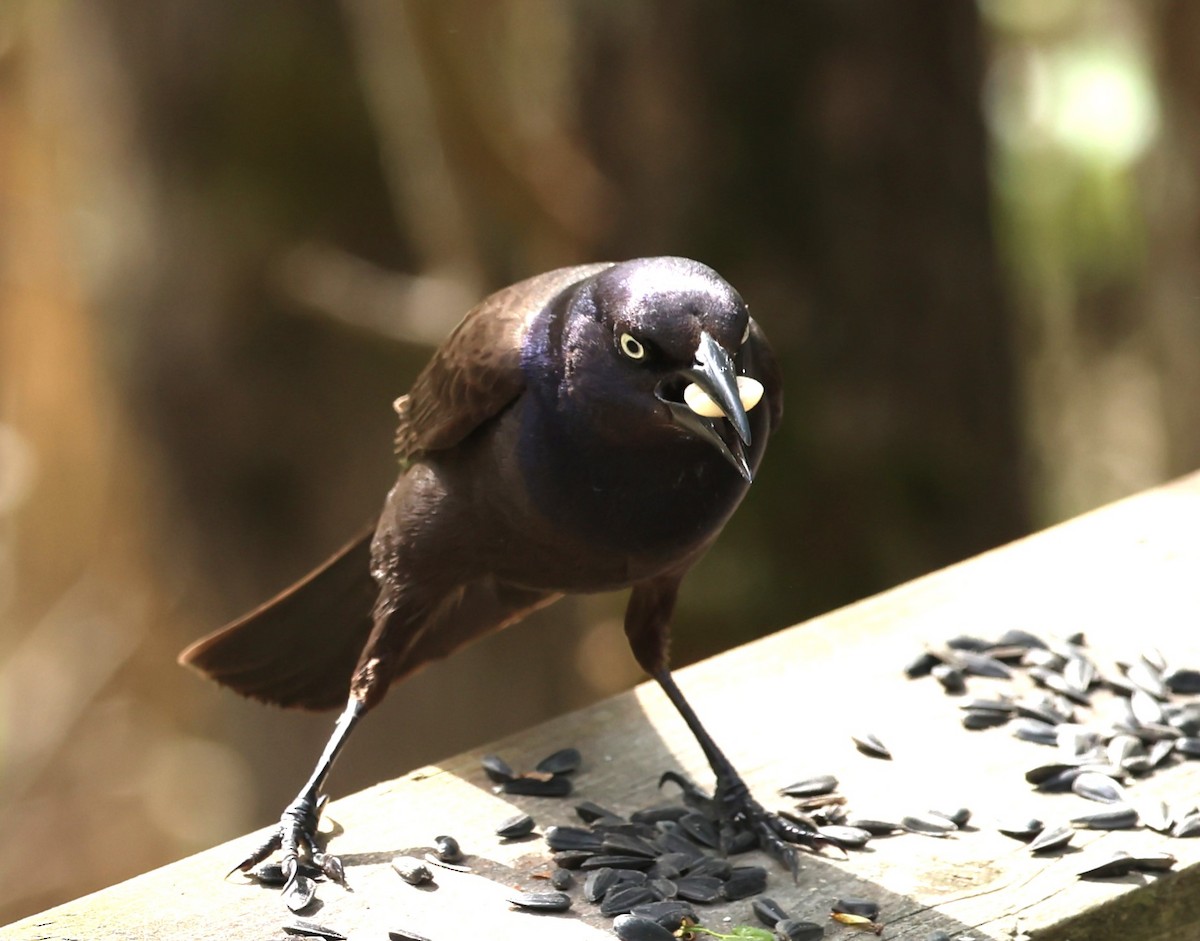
302 862
743 820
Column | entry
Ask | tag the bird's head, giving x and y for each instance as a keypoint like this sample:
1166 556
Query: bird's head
660 342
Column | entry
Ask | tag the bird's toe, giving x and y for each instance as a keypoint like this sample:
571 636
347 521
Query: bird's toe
301 864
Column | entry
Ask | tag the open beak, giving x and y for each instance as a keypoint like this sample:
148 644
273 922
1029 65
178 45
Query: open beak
715 403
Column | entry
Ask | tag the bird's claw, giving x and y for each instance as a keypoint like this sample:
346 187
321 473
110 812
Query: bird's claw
302 863
742 817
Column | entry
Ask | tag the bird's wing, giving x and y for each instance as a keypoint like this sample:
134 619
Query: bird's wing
476 372
760 362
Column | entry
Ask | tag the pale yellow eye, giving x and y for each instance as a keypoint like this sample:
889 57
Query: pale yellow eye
631 347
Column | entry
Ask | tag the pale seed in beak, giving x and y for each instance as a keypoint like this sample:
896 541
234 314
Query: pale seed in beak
750 391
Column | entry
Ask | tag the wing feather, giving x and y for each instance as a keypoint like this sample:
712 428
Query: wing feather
476 372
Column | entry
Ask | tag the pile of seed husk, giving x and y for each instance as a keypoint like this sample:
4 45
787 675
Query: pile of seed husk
659 861
1104 726
655 870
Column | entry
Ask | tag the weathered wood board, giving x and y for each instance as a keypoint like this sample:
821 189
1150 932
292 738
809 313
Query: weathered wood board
784 708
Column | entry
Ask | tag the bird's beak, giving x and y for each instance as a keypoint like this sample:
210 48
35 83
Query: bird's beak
714 400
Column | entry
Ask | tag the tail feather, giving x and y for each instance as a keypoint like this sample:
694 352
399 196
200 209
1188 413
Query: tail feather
301 647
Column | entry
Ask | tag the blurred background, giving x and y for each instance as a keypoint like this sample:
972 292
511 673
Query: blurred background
230 233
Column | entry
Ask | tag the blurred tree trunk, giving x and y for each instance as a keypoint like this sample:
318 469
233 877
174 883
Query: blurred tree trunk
1173 203
831 159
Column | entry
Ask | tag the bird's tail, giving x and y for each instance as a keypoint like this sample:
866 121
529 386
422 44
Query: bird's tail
301 647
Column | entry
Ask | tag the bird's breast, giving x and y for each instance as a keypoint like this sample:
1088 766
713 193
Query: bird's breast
660 498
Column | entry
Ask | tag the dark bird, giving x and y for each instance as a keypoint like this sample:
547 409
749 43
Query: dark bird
589 429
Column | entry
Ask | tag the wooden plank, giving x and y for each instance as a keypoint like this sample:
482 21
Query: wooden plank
784 708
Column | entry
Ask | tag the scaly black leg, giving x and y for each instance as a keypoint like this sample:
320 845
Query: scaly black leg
297 830
732 799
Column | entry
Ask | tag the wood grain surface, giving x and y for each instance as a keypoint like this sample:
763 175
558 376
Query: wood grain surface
784 708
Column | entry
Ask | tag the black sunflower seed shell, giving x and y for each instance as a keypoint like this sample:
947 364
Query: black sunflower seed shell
1021 829
522 825
270 874
532 787
668 912
653 815
665 888
672 838
446 849
626 844
1051 839
930 824
672 865
620 899
959 816
702 889
744 882
1079 673
1098 787
598 882
1188 746
873 826
811 787
1045 772
1015 637
843 835
541 901
981 664
851 905
1117 817
709 866
791 929
402 934
768 911
921 665
573 839
563 761
1187 826
590 812
1034 730
701 829
617 861
742 841
1156 815
571 860
1119 864
309 929
951 678
869 744
1041 657
1182 680
968 642
975 719
497 768
299 893
1146 678
630 927
1153 862
1146 709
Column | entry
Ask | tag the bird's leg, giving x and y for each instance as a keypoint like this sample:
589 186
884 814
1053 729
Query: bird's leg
732 800
297 830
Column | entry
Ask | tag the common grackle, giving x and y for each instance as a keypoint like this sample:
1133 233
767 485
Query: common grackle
588 429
